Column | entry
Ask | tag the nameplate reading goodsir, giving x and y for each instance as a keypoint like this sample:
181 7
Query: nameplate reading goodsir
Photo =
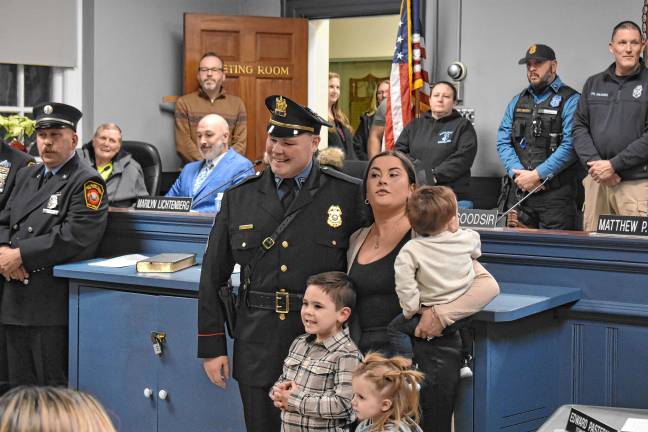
164 204
475 218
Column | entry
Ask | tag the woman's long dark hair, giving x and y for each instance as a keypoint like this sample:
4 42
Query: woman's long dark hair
407 164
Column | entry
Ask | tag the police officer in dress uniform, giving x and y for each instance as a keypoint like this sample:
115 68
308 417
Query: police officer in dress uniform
534 142
326 206
56 214
11 160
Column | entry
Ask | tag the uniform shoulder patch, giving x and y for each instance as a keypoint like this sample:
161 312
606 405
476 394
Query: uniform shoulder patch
340 175
93 193
30 163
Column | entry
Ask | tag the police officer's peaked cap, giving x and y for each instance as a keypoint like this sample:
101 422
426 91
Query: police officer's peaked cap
56 115
291 119
538 52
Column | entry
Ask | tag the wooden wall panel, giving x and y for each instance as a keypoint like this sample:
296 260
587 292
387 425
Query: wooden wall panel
274 47
227 44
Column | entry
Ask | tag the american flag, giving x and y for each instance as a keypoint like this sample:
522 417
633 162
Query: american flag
407 75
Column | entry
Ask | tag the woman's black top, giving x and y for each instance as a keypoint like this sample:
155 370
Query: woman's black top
341 137
377 302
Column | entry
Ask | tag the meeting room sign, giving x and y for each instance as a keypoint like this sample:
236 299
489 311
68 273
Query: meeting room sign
259 70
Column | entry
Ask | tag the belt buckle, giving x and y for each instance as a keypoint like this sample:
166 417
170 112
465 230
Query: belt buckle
282 303
267 243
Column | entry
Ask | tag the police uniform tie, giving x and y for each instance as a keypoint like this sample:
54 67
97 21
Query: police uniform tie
287 192
44 178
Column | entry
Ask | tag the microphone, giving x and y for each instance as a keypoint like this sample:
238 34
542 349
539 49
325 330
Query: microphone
549 177
217 188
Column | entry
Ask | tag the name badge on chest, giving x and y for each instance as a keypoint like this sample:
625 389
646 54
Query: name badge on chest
5 167
52 206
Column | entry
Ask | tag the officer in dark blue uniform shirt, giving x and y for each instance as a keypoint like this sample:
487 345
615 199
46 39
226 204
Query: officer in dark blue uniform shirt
326 208
56 214
534 143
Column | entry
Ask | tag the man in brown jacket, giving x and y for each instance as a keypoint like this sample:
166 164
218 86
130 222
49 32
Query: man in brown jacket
209 99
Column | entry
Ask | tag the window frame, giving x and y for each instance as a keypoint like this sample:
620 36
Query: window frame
56 90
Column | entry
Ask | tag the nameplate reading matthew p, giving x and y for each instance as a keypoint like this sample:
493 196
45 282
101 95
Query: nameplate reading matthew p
475 218
625 225
164 204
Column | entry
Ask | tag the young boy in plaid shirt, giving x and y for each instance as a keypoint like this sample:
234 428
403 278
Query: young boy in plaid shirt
314 391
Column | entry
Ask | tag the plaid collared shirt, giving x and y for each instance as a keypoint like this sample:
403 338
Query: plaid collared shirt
322 372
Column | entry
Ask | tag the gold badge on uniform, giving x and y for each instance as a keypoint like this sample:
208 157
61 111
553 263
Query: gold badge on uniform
334 217
532 49
93 193
280 106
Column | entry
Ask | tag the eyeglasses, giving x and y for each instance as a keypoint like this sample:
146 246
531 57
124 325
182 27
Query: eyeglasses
214 70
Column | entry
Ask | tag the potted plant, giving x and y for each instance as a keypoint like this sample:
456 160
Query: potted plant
17 127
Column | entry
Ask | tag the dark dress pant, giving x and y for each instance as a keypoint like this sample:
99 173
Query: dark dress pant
260 413
37 355
440 359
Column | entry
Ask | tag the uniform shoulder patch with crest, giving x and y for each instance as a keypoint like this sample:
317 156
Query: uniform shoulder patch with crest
93 193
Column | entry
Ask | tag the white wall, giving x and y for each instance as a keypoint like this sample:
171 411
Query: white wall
379 32
318 69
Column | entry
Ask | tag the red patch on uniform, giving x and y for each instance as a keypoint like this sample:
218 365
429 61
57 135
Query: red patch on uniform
93 193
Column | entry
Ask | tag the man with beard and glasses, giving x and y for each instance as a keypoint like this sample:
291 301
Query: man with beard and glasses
534 143
610 133
210 98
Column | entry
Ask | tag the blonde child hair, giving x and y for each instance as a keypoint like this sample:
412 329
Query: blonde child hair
394 380
52 409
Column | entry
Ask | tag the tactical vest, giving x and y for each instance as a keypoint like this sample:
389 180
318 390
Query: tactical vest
537 129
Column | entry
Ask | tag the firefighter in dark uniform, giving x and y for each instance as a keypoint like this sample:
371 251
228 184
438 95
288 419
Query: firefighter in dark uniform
534 143
55 214
11 160
321 208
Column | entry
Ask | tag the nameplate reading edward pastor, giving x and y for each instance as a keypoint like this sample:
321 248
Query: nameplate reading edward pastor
580 422
475 218
164 204
625 225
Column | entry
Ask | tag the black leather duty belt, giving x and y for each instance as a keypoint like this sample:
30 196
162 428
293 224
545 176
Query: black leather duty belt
281 301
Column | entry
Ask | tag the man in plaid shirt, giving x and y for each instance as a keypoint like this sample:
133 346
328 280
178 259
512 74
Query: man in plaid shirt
314 391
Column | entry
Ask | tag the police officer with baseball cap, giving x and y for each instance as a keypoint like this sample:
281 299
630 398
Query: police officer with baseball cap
56 214
534 144
291 221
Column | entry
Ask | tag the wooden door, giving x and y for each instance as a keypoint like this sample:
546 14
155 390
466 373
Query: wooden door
263 56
